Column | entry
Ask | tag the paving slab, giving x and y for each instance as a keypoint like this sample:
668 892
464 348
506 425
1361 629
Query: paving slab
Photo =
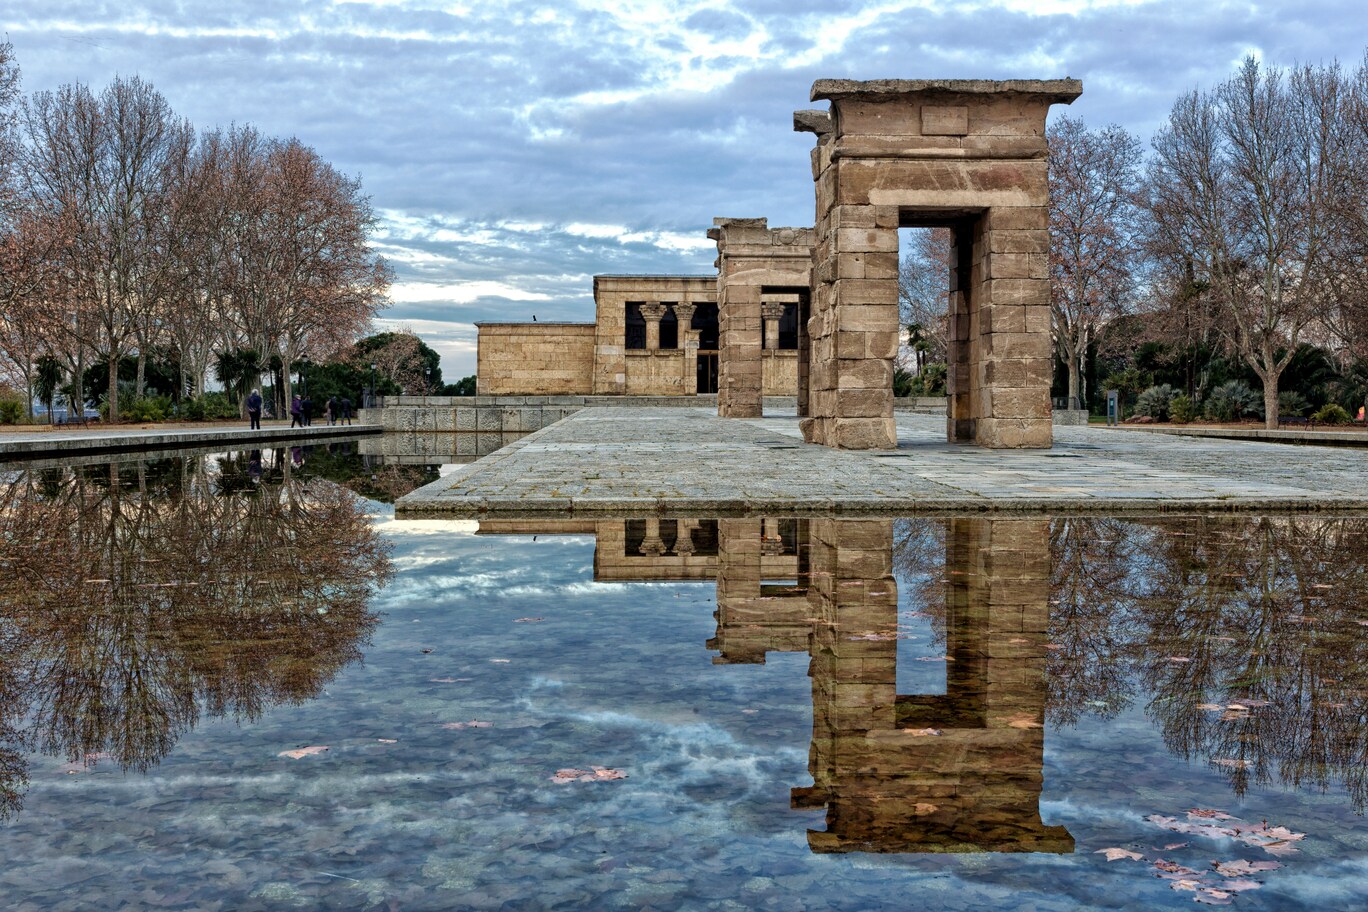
689 462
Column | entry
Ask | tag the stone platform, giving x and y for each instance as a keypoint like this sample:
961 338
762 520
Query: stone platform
688 462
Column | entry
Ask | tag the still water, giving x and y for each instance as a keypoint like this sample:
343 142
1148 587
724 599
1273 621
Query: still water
237 682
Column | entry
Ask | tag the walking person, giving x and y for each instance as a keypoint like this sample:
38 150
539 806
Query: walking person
307 407
254 410
296 412
346 409
334 410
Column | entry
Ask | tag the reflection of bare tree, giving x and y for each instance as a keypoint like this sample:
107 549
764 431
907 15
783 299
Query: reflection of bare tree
135 597
1256 651
1249 634
1090 616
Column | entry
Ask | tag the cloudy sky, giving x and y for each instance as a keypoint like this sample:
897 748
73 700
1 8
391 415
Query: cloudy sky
515 149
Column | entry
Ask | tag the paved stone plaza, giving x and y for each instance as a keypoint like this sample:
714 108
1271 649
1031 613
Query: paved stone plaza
689 462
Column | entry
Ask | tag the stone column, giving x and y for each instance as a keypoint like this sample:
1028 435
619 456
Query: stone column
684 545
652 544
773 312
652 311
688 341
751 257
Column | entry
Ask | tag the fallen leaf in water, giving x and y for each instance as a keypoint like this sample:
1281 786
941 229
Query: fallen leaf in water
1114 854
1175 845
473 723
750 712
527 620
1209 814
592 774
1209 707
1213 897
1185 883
388 740
300 752
934 659
922 731
1179 659
500 661
1239 885
921 809
426 651
1171 870
1229 763
1249 704
442 680
1241 868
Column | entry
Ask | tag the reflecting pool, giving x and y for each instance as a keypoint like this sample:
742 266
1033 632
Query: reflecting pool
235 681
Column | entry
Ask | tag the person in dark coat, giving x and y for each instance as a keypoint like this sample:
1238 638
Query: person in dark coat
296 412
307 406
346 409
254 410
334 410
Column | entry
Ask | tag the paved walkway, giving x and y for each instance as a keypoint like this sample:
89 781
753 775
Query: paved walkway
57 442
689 462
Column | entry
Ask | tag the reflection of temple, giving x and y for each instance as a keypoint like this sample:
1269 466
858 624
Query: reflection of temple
887 783
826 587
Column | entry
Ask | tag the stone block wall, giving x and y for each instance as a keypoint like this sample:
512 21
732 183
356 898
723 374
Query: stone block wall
757 266
651 371
535 359
969 155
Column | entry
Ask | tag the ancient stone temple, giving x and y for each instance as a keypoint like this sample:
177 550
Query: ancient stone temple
968 155
660 335
763 275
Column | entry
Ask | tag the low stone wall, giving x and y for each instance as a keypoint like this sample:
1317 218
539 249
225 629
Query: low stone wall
507 414
921 405
1071 417
524 414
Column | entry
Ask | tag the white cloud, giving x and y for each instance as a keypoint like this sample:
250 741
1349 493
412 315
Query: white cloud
459 292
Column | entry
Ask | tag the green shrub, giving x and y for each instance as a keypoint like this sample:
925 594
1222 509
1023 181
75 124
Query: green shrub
1182 410
1293 403
193 410
902 382
1331 414
11 411
1155 402
1232 401
930 382
149 408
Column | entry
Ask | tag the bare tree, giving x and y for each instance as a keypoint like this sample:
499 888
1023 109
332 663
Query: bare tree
101 161
1347 320
1094 193
1240 179
924 294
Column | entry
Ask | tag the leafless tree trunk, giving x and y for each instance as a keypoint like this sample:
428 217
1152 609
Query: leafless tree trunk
1240 178
1094 192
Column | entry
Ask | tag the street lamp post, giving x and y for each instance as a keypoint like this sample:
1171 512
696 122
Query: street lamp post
371 404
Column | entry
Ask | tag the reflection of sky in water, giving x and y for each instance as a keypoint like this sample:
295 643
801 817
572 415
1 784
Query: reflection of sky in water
614 675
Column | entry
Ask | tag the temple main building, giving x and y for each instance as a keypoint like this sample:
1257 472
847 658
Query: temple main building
734 333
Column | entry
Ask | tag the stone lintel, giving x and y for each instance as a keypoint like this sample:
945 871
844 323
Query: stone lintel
725 222
818 122
1057 91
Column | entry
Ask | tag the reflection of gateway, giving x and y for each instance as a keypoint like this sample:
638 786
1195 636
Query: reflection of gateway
826 587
